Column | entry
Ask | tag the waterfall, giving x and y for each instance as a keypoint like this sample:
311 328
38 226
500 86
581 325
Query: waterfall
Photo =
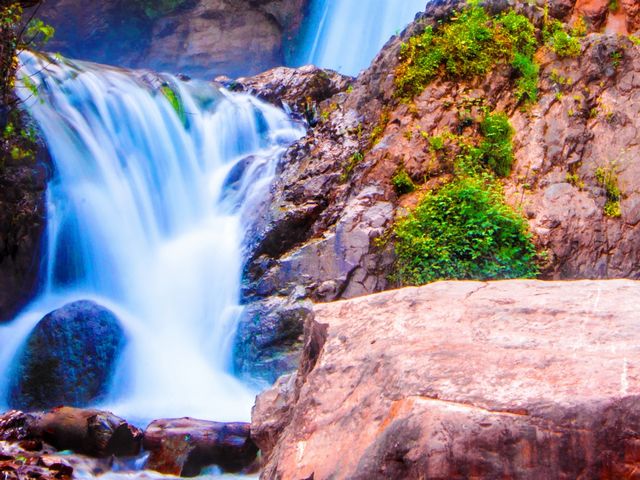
345 35
142 220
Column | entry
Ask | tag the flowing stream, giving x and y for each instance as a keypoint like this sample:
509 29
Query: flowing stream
345 35
143 219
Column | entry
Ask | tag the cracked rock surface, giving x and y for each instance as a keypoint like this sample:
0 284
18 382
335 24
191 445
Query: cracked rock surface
512 379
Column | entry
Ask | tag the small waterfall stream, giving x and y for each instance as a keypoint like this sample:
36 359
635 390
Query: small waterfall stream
345 35
140 219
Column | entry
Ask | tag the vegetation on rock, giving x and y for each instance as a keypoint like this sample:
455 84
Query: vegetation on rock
469 45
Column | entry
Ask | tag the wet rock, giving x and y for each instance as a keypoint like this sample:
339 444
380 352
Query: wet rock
517 379
301 90
22 221
91 432
269 338
184 446
69 358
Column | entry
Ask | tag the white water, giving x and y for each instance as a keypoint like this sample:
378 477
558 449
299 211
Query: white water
138 220
345 35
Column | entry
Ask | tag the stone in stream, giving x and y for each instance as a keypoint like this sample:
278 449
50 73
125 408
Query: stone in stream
91 432
69 358
184 446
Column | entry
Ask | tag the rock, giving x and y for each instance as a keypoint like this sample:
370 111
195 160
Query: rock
22 221
269 338
91 432
513 379
184 446
200 38
69 358
301 90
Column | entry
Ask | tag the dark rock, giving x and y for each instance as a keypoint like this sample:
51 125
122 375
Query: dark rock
269 338
69 358
184 446
22 222
92 432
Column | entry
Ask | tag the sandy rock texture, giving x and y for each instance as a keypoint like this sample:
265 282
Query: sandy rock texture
457 380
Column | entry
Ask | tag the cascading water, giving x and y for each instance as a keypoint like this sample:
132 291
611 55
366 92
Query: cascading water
143 220
345 35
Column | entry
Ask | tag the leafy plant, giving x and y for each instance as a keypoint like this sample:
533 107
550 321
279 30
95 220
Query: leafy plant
469 45
402 182
496 149
353 162
608 179
562 42
463 231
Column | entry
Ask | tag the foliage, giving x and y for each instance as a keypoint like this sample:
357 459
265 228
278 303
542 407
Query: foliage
562 42
464 231
496 149
353 162
402 182
469 45
18 139
436 143
608 179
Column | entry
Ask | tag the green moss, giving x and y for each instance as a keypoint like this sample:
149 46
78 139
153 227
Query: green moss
157 8
175 101
469 45
464 231
402 182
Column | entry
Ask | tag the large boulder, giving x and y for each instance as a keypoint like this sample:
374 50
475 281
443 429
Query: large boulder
184 446
69 358
515 379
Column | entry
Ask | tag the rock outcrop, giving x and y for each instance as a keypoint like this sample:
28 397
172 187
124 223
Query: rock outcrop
328 222
183 446
455 380
202 38
69 358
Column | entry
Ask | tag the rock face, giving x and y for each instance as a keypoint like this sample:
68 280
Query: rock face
22 222
202 38
456 380
69 358
333 204
184 446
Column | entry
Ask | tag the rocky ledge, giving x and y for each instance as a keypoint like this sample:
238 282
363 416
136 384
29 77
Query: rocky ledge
457 380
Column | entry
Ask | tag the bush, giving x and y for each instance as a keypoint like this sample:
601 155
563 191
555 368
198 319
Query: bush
496 149
463 231
563 43
470 45
608 179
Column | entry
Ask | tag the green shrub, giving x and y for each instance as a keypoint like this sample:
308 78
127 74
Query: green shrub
608 179
562 42
436 143
527 83
496 149
463 231
402 182
354 161
470 45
